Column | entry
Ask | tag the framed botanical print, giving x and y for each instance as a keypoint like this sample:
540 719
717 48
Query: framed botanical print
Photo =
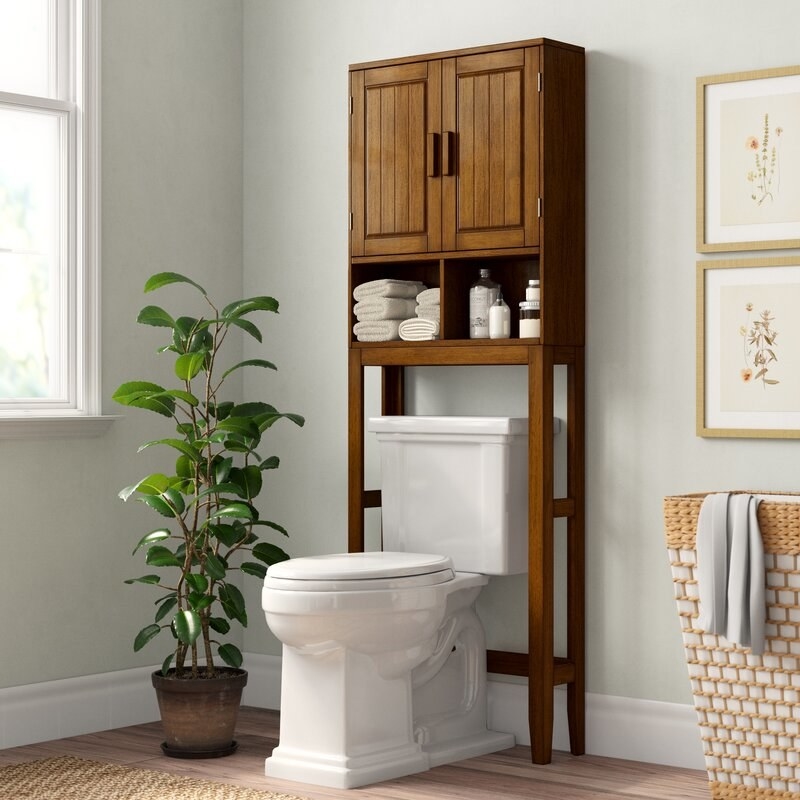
748 348
748 160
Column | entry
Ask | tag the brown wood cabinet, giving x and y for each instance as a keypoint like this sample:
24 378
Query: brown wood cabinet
462 160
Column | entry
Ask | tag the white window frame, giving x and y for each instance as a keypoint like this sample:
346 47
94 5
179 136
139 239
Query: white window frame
75 59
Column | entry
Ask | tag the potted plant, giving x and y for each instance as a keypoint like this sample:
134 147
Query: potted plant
210 523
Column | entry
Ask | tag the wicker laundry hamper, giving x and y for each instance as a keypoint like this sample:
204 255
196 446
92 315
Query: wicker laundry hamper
748 706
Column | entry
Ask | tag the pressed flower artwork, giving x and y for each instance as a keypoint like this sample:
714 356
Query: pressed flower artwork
756 136
748 169
759 339
749 348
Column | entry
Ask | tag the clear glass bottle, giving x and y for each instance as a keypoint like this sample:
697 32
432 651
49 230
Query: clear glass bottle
499 319
530 324
482 296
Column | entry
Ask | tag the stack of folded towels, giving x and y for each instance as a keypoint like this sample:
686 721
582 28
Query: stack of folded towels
381 306
425 325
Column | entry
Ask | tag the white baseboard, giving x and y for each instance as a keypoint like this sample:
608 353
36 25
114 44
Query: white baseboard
617 727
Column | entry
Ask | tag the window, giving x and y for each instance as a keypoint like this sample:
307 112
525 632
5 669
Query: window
49 194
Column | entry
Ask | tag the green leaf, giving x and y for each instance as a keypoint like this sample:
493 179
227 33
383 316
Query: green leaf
273 462
143 394
217 489
269 553
198 601
166 664
238 510
152 579
251 568
215 567
244 426
246 326
231 655
158 556
219 624
158 504
167 604
144 636
157 535
248 481
184 467
187 397
229 535
154 484
233 603
178 444
187 626
188 365
153 315
239 308
165 278
273 525
220 410
251 362
197 582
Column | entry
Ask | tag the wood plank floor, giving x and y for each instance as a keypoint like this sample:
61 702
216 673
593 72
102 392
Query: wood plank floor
508 774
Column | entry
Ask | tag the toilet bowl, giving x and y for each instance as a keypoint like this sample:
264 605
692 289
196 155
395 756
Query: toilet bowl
384 657
383 667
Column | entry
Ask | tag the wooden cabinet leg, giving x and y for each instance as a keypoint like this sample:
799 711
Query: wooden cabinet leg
540 553
355 476
576 596
393 390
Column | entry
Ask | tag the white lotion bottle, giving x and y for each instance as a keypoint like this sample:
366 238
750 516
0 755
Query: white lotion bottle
499 319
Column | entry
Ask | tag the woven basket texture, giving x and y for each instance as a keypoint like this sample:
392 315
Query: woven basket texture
748 706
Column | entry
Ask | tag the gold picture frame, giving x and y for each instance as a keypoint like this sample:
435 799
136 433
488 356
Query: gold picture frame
748 348
748 160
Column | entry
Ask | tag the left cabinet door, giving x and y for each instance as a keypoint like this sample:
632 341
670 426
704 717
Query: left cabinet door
395 159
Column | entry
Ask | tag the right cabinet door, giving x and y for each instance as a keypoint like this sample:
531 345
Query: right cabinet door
490 150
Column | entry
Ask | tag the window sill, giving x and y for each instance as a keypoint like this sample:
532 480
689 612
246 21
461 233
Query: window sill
33 426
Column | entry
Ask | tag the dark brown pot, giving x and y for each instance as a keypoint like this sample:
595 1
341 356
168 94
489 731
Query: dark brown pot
199 715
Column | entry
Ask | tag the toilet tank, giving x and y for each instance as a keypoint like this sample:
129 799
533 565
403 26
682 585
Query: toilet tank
457 486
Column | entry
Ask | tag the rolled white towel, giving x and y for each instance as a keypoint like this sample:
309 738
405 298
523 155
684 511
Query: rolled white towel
385 330
418 330
387 287
429 297
379 308
431 312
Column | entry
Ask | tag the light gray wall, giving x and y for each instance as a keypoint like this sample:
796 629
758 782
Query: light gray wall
642 61
172 200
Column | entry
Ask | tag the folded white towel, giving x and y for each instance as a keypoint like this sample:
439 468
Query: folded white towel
730 570
430 312
385 330
418 330
378 308
387 287
429 297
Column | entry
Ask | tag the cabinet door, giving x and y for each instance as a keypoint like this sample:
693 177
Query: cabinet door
395 182
490 119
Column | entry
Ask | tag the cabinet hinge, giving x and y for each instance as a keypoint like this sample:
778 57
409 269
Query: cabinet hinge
350 221
539 207
351 103
540 80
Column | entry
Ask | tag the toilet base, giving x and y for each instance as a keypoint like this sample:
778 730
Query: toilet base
349 773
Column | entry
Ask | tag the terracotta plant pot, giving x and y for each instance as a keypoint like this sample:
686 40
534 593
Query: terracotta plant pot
199 715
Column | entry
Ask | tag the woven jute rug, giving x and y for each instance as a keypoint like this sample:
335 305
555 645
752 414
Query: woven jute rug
68 778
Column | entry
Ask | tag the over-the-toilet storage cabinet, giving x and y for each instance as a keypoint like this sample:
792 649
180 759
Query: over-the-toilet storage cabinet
461 160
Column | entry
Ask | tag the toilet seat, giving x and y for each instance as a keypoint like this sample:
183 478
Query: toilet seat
354 572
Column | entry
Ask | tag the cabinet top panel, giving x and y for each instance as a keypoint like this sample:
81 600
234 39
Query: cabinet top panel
466 51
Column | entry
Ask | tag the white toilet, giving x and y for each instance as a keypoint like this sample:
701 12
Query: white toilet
384 660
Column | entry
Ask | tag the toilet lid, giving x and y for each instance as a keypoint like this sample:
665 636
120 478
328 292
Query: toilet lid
360 571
